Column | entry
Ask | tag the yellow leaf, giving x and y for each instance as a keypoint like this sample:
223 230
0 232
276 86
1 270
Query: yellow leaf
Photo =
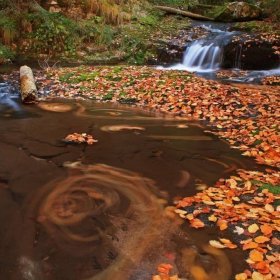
257 276
241 276
269 208
224 240
253 228
212 218
216 244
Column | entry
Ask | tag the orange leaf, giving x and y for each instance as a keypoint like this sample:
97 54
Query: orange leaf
266 229
164 268
196 223
256 256
262 267
261 239
275 241
231 245
222 224
250 245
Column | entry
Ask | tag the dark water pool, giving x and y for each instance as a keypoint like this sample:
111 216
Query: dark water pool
77 211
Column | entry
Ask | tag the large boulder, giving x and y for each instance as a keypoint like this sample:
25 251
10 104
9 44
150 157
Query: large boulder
238 11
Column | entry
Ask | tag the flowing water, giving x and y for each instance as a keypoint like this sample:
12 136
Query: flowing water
78 211
204 56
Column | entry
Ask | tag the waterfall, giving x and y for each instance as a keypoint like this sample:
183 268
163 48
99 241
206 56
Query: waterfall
202 57
237 62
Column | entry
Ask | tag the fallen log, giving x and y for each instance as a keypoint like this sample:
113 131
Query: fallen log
183 13
28 88
205 6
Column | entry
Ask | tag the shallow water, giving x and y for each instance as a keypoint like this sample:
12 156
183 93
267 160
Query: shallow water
78 211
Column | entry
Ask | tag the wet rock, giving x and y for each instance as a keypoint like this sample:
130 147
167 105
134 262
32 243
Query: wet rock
171 53
238 11
172 50
251 54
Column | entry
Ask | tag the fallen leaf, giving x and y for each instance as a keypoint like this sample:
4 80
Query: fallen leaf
165 268
253 228
196 223
216 244
266 229
250 245
256 256
261 239
241 276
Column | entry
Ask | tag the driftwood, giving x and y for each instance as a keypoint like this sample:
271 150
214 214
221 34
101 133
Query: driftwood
182 13
27 85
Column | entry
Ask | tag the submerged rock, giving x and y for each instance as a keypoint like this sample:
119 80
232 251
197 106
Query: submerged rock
238 11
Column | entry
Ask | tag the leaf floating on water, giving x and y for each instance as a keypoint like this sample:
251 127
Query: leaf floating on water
201 187
217 244
157 153
79 138
196 223
115 128
164 270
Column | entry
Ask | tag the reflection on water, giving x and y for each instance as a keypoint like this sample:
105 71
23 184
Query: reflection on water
107 196
99 221
126 213
114 128
55 107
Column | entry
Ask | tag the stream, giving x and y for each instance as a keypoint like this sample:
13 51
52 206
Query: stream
74 211
77 211
205 57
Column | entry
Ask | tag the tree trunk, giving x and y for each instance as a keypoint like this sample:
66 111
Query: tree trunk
183 13
27 85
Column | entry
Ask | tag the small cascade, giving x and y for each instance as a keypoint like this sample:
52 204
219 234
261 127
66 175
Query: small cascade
202 57
237 62
205 55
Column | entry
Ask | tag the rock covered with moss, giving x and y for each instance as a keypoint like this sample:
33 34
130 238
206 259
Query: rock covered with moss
238 11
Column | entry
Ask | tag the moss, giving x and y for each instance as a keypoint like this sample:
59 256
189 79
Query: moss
6 54
271 188
108 96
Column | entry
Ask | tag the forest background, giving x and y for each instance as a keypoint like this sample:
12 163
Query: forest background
104 31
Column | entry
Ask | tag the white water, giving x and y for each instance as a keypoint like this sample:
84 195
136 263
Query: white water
203 55
206 55
202 58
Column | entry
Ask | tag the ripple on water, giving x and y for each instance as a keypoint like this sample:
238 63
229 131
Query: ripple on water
55 107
